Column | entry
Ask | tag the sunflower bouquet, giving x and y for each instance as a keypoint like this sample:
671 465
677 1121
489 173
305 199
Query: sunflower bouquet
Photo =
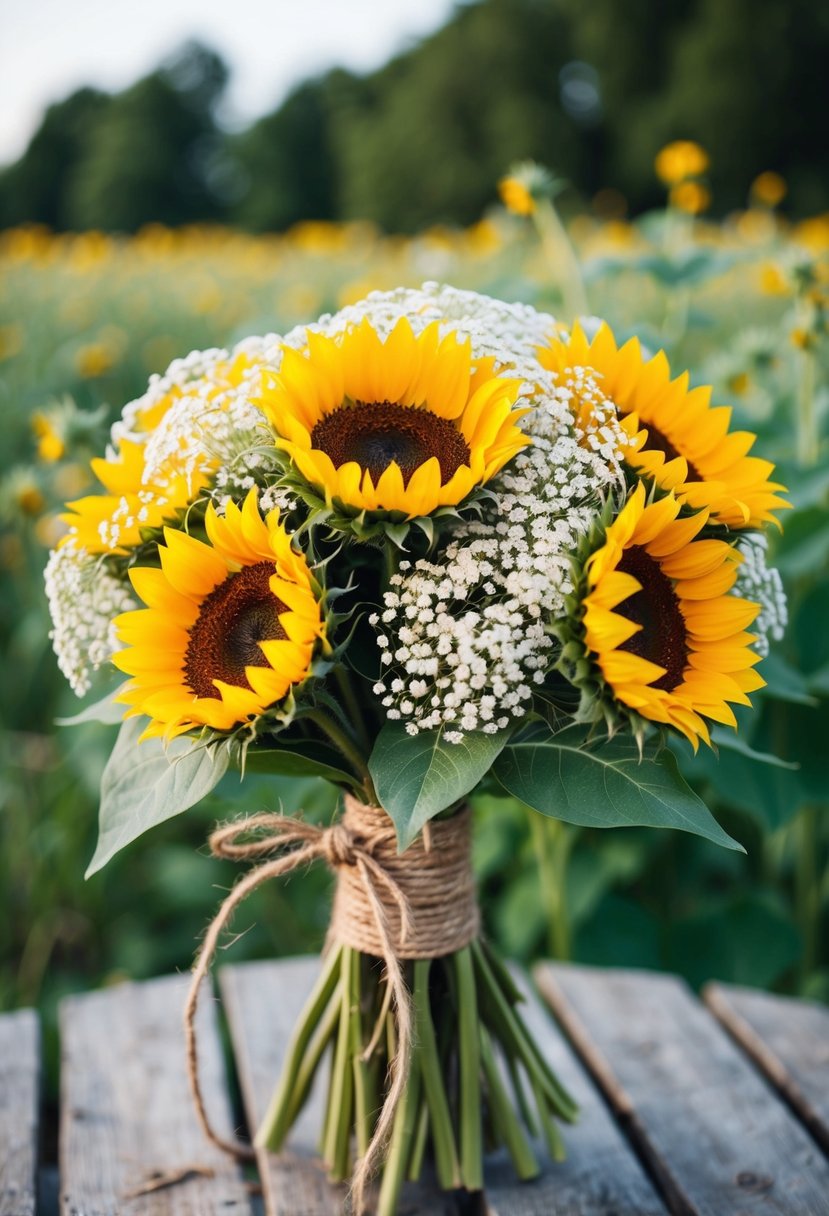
427 545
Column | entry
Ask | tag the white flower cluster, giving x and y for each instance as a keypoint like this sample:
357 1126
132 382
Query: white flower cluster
465 641
508 332
762 584
214 424
84 599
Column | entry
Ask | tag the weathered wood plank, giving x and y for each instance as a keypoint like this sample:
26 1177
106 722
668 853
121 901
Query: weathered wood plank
789 1040
600 1177
19 1090
713 1134
127 1120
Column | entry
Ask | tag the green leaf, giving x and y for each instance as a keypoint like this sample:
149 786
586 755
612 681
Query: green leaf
730 742
105 710
143 784
418 776
300 759
784 682
603 786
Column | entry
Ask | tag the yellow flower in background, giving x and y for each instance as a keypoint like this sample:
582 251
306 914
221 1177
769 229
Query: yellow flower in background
679 160
230 626
664 631
769 188
678 439
94 360
50 442
515 196
11 341
691 197
772 281
404 425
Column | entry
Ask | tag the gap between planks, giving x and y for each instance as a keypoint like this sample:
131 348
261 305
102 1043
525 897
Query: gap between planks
717 1141
789 1040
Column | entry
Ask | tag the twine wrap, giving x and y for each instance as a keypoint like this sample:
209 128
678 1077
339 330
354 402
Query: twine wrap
434 878
419 904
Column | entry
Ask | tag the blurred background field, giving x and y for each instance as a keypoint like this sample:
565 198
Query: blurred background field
740 299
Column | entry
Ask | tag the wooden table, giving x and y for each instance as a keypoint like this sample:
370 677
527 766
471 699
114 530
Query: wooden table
718 1108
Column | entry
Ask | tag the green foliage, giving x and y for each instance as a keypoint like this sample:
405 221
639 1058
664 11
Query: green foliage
418 776
602 783
146 783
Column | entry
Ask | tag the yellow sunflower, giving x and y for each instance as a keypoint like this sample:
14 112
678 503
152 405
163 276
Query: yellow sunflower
404 425
668 637
113 522
230 625
678 439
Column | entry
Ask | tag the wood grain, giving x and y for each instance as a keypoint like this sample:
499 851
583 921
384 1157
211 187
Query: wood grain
601 1176
789 1040
715 1137
19 1091
127 1120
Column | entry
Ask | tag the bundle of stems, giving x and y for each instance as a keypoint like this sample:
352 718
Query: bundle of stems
476 1079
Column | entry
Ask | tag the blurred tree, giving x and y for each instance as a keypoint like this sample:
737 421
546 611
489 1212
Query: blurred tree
285 164
34 189
745 78
148 155
425 139
592 90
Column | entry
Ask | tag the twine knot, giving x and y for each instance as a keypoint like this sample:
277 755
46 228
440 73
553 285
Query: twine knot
339 847
418 904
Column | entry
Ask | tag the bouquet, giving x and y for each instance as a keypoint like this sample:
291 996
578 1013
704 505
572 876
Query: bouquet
430 544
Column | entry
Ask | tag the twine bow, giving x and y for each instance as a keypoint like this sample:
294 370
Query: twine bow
300 843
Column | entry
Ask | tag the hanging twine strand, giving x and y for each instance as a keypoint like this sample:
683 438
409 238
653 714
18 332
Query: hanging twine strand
419 904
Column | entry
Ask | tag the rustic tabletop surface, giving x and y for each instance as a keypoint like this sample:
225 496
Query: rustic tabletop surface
717 1107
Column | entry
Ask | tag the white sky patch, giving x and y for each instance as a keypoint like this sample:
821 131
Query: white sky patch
48 48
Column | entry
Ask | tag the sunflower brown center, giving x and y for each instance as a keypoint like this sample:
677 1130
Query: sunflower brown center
234 618
376 433
656 440
663 638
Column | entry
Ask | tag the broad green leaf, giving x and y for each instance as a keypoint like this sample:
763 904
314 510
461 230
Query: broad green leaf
299 759
143 784
604 785
784 682
418 776
732 742
105 710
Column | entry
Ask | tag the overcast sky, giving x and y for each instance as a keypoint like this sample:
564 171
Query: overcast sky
50 47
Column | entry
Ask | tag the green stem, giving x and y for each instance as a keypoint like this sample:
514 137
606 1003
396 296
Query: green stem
341 1090
323 1035
469 1053
807 886
564 263
363 1112
344 744
352 705
443 1135
552 843
402 1138
807 440
552 1138
507 1125
515 1039
419 1144
275 1124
